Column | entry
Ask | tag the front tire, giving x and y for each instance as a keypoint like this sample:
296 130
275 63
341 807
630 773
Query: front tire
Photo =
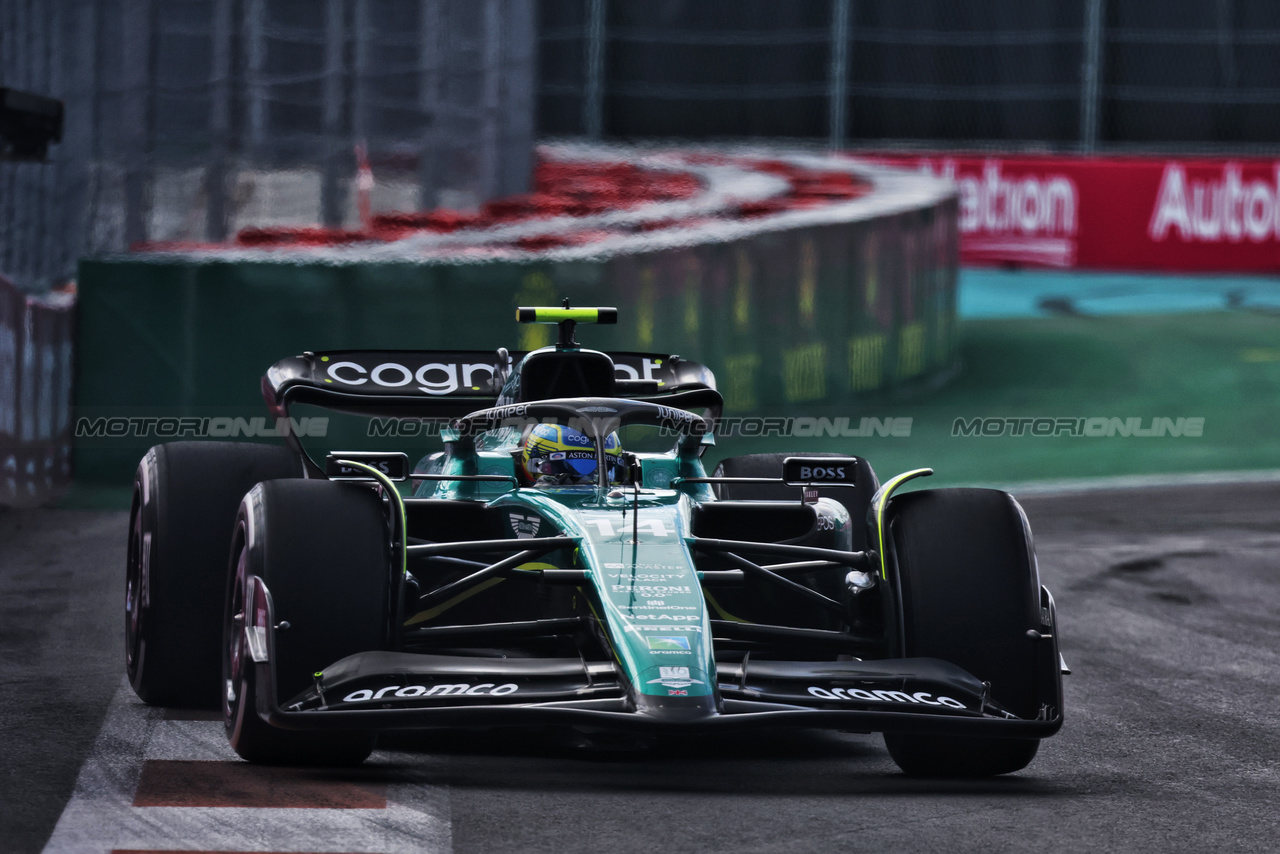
970 591
322 550
185 497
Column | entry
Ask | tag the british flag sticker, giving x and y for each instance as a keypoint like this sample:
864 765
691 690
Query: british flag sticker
680 692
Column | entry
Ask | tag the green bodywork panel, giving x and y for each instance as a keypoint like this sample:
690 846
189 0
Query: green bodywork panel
641 581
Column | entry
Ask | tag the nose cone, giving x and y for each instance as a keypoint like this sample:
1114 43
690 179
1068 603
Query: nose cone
677 708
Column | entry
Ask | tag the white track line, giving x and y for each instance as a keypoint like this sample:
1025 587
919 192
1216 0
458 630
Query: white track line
101 817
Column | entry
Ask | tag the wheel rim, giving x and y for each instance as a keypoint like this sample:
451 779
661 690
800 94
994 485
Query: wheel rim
233 664
135 580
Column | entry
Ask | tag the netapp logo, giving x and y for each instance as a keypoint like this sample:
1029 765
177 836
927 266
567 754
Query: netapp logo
859 695
408 692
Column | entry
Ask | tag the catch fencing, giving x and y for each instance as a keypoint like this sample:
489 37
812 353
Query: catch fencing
35 395
1086 76
193 119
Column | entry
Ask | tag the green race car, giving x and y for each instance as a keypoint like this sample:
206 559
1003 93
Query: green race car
567 560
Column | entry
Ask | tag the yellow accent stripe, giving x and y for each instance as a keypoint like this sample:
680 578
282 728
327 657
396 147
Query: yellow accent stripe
880 499
608 639
432 613
721 611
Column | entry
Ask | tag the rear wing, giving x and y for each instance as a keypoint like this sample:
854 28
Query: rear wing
444 383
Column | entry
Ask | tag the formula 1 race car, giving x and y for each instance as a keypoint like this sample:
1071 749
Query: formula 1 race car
566 560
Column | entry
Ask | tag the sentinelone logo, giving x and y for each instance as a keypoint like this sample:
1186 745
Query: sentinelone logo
1092 427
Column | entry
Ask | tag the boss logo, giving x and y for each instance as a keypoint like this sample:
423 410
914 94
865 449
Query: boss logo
394 465
801 470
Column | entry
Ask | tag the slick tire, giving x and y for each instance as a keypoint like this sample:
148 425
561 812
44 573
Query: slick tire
185 498
970 591
856 499
322 550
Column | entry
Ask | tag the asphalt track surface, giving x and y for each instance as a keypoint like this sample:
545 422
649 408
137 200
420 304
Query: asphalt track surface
1169 603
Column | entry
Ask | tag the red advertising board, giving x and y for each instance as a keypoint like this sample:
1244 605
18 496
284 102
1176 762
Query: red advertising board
1186 214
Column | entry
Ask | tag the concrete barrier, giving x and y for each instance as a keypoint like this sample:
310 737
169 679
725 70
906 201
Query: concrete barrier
817 306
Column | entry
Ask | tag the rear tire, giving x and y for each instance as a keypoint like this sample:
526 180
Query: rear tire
856 499
185 497
970 591
323 551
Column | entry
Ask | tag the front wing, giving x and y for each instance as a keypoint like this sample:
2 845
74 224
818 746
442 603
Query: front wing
395 690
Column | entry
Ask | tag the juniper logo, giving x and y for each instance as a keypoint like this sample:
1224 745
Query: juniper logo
1090 427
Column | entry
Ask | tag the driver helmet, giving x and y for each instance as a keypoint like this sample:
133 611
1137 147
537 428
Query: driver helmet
556 455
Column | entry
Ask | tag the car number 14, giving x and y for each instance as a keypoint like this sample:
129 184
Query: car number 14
607 528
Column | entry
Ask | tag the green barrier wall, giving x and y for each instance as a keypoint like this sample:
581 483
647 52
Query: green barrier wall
794 318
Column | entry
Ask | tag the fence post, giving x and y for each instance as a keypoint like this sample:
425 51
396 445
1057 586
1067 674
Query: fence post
135 117
362 78
332 198
490 98
1091 83
838 77
430 27
82 151
256 63
593 99
216 175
